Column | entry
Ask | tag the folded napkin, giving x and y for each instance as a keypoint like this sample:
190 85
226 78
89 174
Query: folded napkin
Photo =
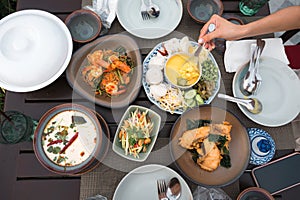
107 14
238 53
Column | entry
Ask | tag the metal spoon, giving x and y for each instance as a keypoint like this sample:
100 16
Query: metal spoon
253 105
252 79
174 189
152 9
195 56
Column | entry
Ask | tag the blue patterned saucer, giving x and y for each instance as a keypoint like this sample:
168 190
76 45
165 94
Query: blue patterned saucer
262 146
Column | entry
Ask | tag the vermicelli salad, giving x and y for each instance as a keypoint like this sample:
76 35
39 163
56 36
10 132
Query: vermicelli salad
135 133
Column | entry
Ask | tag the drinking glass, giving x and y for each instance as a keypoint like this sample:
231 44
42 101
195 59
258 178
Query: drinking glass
15 127
251 7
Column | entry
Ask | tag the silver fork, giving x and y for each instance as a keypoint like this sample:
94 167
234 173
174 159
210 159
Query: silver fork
144 12
161 189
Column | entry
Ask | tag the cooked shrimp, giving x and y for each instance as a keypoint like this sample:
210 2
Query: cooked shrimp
189 136
91 73
96 58
211 161
122 66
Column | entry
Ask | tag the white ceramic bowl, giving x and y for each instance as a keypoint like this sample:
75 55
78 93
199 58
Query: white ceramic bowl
188 58
35 49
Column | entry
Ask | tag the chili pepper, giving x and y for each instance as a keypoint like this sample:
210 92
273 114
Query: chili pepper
69 143
164 52
54 142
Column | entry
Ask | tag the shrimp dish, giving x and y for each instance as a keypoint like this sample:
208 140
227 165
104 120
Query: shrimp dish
108 72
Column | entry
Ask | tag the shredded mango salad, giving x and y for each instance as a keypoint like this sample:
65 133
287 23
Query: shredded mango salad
135 133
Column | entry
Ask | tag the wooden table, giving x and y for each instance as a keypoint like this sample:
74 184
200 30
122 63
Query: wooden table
23 177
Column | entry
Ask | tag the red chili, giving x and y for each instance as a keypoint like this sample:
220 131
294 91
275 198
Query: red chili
165 52
54 142
69 143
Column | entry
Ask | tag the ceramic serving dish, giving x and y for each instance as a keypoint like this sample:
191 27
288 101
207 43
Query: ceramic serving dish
70 139
36 48
152 117
181 65
155 61
283 100
239 148
129 15
201 10
84 25
146 176
79 61
255 193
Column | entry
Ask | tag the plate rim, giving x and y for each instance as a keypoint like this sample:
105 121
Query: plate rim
179 3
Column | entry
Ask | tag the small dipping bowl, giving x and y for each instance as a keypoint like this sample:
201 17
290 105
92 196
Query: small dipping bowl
84 25
255 193
202 10
180 68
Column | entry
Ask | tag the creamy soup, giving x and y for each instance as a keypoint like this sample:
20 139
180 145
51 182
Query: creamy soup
69 138
181 70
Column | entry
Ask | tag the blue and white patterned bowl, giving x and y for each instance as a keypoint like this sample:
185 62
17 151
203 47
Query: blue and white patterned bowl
262 146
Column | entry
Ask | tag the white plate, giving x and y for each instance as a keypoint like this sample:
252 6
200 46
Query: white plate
140 183
129 16
146 85
279 93
35 49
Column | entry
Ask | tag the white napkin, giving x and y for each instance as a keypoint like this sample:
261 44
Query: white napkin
97 6
237 53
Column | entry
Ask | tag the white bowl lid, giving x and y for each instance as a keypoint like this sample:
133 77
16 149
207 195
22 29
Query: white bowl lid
35 49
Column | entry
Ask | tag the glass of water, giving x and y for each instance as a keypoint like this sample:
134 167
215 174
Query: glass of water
15 127
251 7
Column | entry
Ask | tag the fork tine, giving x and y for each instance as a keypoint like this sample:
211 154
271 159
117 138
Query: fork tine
145 15
161 188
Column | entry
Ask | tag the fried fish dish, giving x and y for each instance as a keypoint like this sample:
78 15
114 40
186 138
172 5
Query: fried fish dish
209 144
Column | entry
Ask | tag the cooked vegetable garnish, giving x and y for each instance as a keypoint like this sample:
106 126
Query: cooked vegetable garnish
108 71
135 133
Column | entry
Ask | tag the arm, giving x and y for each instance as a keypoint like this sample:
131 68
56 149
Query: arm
282 20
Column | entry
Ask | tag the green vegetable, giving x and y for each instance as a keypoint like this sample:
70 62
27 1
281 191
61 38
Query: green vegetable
209 70
191 102
225 161
192 124
195 155
219 139
54 150
199 99
181 81
190 94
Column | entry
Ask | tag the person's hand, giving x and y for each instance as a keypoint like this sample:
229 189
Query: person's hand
224 29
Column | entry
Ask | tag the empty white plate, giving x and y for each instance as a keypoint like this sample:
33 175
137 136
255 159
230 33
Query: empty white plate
140 183
279 93
129 16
